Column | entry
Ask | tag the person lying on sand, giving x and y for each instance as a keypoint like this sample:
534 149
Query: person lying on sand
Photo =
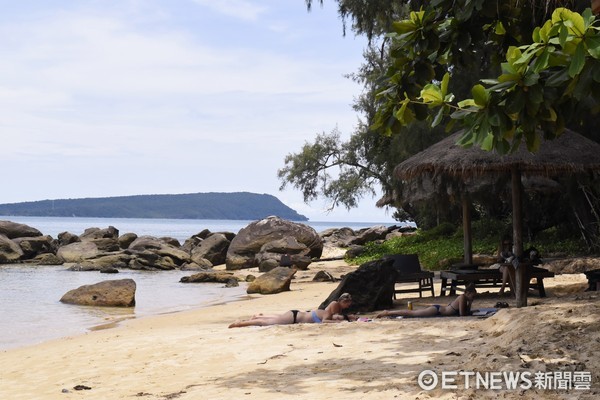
332 313
461 306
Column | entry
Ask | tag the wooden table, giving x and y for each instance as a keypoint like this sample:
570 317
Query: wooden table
489 278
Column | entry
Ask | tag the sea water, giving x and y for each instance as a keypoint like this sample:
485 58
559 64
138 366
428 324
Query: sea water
30 310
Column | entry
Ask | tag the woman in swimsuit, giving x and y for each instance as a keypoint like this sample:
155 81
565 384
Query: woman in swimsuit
461 306
332 313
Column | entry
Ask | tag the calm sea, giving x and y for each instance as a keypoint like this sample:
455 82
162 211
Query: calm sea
30 310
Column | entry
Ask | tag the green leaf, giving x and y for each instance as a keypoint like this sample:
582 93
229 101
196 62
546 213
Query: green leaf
499 29
515 102
541 62
438 117
531 79
467 103
404 114
563 35
432 95
536 35
558 78
404 26
444 85
480 95
513 54
535 94
577 61
488 143
593 46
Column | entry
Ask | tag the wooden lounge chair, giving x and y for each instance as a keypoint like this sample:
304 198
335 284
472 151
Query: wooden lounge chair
409 271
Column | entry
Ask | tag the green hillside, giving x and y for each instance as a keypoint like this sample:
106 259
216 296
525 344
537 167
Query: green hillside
236 206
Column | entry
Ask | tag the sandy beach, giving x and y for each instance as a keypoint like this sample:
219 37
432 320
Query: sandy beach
193 355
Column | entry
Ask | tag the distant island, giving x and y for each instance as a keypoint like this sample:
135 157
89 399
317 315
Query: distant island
233 206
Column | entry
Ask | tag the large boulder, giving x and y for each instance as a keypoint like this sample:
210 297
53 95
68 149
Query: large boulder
65 238
209 276
32 246
47 259
96 233
275 281
370 235
126 239
339 237
249 241
78 251
14 230
272 254
9 251
161 248
371 286
114 293
117 260
213 248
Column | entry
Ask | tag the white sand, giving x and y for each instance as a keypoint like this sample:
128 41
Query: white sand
193 355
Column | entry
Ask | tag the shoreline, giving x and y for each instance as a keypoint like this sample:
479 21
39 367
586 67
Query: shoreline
191 354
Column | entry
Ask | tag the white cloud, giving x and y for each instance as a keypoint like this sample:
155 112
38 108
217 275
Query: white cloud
133 98
240 9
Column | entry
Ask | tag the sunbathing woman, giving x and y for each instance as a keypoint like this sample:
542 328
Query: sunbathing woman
461 306
332 313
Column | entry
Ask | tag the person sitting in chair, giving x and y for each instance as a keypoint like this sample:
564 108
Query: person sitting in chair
506 256
461 306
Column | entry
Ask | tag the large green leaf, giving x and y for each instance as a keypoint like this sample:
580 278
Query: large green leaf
432 95
577 61
593 45
480 95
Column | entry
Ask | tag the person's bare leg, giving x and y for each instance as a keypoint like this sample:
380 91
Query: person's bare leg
423 312
504 279
285 318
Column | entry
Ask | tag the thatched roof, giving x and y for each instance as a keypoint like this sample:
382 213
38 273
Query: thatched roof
569 153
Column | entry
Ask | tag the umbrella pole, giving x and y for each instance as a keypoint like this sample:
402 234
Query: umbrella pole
467 244
521 281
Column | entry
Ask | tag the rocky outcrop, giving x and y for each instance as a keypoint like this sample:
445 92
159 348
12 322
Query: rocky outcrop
353 240
250 240
114 293
10 251
78 251
261 244
32 246
571 265
14 230
371 286
272 253
213 248
202 277
275 281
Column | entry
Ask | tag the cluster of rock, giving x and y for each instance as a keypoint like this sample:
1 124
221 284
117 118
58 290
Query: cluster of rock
259 245
262 244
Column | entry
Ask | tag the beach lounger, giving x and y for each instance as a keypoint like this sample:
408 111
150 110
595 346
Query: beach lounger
409 271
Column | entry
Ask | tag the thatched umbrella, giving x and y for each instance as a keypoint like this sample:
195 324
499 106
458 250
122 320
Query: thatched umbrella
569 153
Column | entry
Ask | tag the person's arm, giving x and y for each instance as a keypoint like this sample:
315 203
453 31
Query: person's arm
330 310
464 308
335 318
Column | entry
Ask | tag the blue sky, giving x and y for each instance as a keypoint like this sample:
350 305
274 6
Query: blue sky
123 97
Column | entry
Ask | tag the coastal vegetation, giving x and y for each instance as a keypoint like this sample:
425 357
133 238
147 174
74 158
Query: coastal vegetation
506 72
442 246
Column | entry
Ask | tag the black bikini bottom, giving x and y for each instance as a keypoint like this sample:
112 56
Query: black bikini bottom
295 314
